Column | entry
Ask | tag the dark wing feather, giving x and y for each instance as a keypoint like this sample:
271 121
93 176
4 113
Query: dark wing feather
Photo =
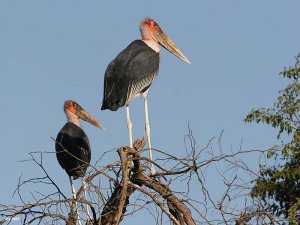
73 150
131 72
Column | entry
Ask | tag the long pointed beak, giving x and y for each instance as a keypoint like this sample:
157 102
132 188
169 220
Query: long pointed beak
82 114
168 44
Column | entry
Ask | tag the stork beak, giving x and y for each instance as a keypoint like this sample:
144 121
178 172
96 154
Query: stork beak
167 43
82 114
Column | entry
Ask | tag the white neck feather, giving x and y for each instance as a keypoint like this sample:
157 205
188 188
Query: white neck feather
73 118
152 44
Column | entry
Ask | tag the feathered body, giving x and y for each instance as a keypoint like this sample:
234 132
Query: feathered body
73 150
130 74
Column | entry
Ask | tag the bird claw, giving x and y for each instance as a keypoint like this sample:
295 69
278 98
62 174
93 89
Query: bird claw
152 171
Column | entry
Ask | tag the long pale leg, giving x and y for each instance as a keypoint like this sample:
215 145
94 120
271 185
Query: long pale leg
74 197
129 126
85 196
147 127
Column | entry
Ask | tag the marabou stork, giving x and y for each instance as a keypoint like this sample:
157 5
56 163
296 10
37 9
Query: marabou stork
134 69
72 144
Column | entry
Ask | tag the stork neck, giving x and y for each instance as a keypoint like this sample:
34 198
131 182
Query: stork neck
152 44
76 122
73 118
147 37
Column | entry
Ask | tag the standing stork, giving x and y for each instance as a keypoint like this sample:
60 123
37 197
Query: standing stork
72 145
132 72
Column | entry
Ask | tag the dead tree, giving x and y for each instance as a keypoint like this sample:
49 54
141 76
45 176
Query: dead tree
129 188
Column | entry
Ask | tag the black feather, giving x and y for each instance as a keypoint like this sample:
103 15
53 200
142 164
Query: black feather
136 63
73 150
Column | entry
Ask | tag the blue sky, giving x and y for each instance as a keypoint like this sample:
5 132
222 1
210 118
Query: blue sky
51 51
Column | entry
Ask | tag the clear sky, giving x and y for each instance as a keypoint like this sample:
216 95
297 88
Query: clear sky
51 51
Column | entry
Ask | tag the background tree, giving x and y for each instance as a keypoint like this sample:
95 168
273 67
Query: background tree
278 186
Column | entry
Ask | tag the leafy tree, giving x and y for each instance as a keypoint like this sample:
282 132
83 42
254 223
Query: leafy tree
278 186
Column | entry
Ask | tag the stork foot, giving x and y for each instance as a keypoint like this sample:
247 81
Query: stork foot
152 170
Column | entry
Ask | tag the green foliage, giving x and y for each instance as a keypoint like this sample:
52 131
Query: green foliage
279 185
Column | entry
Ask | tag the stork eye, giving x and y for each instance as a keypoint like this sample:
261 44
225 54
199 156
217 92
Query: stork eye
155 24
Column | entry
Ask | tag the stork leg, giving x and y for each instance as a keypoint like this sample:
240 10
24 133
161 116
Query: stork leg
147 127
129 125
85 196
74 197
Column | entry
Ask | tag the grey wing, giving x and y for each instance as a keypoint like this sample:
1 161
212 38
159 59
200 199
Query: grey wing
141 72
129 74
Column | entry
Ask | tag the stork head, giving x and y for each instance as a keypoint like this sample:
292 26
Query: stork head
150 30
74 112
